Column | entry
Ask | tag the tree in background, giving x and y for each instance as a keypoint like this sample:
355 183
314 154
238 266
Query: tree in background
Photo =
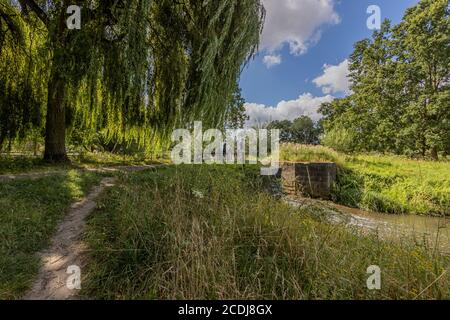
305 131
285 129
302 130
135 69
401 88
422 41
236 116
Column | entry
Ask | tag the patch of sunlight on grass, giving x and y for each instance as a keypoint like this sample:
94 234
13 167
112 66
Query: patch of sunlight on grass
73 184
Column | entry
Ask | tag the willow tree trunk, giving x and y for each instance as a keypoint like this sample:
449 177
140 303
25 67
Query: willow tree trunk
55 128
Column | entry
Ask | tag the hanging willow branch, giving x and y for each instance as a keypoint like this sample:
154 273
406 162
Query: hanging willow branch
138 68
165 63
21 76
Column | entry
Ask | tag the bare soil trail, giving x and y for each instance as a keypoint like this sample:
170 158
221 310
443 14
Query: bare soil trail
67 247
66 250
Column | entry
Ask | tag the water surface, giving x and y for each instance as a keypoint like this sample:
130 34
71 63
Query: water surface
433 232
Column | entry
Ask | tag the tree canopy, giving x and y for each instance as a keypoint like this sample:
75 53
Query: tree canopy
401 88
134 71
302 130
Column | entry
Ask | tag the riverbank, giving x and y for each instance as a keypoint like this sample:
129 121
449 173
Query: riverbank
429 232
381 183
213 232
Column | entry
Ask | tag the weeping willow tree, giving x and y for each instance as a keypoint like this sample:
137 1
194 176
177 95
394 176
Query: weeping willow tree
21 78
138 68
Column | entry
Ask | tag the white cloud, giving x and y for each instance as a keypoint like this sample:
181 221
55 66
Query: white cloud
334 79
295 22
272 60
306 104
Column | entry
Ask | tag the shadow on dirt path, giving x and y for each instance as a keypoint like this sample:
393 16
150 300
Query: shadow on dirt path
66 250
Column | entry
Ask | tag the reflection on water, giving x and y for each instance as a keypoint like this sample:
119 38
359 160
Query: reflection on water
434 231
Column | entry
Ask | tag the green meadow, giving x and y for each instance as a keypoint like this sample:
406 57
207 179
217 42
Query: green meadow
384 183
214 232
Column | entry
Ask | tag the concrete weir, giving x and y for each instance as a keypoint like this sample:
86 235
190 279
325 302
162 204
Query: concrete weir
308 179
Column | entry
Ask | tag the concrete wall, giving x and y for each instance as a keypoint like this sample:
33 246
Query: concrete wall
308 179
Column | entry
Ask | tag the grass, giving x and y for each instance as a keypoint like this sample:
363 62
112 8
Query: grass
26 163
383 183
212 232
100 159
29 213
309 153
23 164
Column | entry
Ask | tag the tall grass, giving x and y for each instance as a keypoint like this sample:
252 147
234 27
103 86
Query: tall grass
397 185
309 153
213 233
384 183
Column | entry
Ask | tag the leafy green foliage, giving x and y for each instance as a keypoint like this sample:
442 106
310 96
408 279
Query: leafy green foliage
135 69
21 77
236 117
302 130
382 183
401 88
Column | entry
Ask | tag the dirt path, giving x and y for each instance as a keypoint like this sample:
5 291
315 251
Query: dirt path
67 247
66 250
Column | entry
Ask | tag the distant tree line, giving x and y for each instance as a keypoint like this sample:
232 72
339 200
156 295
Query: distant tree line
302 130
400 101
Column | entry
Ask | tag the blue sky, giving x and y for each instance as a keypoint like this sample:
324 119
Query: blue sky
325 31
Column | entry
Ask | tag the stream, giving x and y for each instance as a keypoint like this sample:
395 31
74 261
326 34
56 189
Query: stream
432 231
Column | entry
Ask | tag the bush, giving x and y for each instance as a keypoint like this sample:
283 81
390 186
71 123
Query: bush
339 139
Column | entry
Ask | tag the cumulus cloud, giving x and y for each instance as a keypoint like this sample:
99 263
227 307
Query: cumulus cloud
306 104
271 60
295 22
334 79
